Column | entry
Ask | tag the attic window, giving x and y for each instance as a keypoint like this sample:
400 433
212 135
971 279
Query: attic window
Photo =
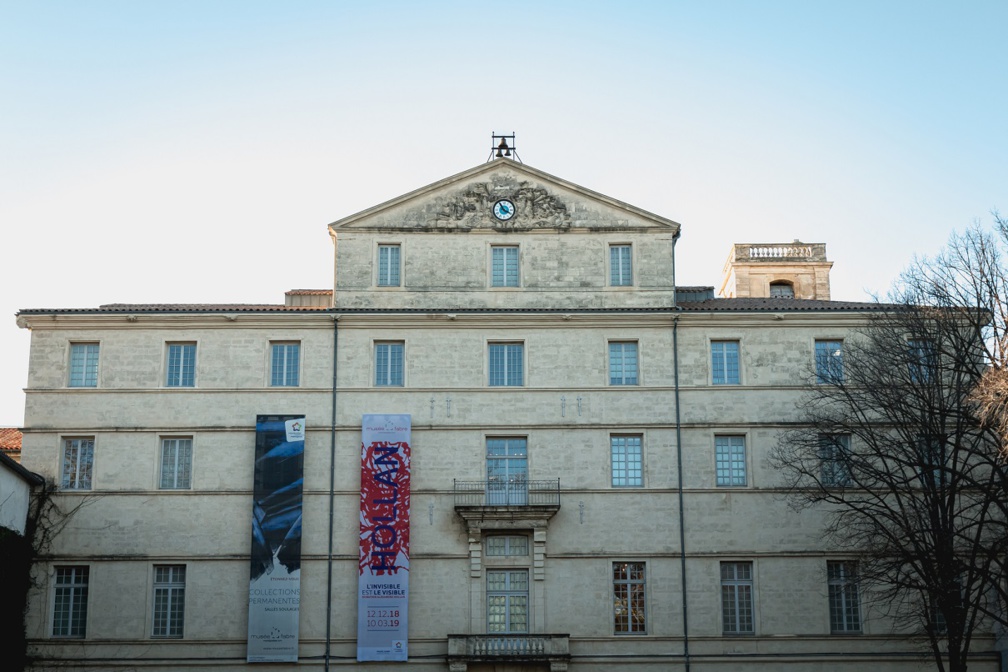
781 289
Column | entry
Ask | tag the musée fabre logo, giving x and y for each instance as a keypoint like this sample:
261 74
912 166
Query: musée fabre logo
295 430
274 635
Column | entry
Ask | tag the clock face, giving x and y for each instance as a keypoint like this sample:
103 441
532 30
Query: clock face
503 209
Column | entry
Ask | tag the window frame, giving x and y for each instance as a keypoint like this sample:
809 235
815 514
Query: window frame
88 367
385 279
723 367
506 279
188 470
180 380
82 476
623 464
287 370
834 473
505 374
775 284
739 589
932 456
509 594
732 462
936 617
843 598
506 460
829 371
509 540
170 621
622 376
922 360
390 347
629 591
620 269
77 585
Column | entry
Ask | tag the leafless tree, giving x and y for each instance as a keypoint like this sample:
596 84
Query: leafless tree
902 447
19 554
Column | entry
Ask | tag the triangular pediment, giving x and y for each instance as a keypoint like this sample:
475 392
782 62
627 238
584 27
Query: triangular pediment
541 202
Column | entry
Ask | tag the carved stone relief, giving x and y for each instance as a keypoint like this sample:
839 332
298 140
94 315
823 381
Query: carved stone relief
471 208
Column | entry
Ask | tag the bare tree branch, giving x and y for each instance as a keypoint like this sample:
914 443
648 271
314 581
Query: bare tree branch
906 451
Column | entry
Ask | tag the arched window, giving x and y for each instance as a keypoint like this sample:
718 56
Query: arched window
782 289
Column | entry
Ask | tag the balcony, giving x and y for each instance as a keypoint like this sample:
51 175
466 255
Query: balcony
512 499
551 651
777 252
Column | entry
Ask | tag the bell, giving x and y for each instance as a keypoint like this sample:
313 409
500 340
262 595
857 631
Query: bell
503 149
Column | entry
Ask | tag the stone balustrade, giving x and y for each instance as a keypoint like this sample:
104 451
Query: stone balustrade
771 252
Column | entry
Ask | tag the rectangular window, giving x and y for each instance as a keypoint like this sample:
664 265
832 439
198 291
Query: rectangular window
620 270
169 601
922 360
737 598
936 617
506 364
730 461
931 461
844 603
388 265
181 365
78 463
176 464
625 453
623 363
629 613
829 361
70 602
83 365
507 600
505 546
507 471
834 453
285 365
725 362
504 266
389 364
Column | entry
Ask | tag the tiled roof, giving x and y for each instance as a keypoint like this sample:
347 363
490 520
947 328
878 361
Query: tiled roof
309 292
780 304
10 439
176 308
709 305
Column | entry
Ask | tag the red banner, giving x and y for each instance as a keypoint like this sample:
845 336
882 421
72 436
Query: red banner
383 584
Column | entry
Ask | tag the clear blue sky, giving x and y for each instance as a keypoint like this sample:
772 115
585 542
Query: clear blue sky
195 151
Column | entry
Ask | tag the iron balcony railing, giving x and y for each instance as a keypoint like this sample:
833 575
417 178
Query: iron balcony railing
515 492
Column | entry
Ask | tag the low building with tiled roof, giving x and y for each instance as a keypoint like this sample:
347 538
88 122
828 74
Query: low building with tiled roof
10 442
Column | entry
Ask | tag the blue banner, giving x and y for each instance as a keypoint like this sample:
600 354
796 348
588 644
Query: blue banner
275 570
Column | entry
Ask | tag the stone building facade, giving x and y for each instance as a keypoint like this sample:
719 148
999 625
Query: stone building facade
590 478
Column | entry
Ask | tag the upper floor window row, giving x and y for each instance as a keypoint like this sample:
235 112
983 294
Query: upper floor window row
180 364
506 363
505 265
